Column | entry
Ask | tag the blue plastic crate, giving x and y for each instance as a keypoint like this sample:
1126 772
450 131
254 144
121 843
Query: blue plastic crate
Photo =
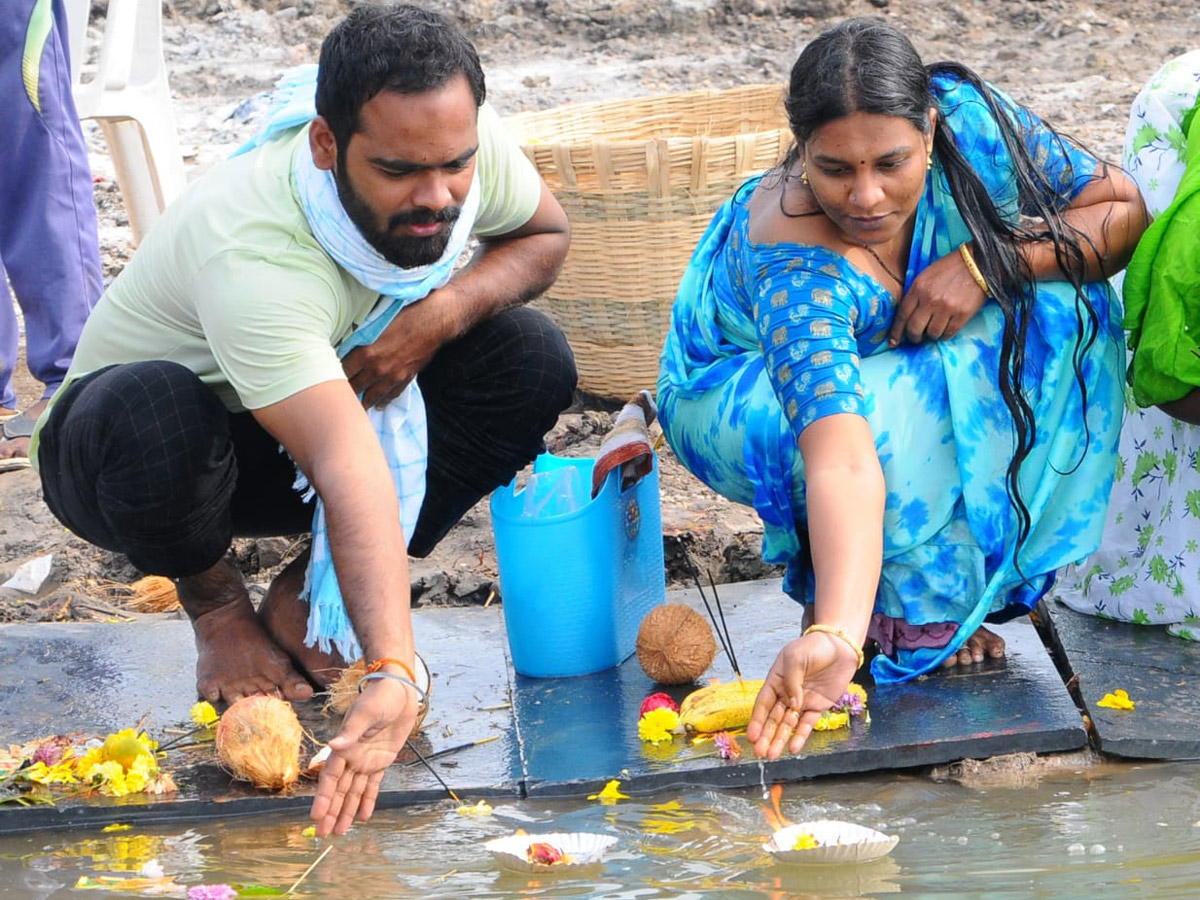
576 575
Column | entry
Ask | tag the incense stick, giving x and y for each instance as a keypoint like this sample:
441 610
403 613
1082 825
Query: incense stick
446 751
721 613
315 862
433 772
180 738
723 638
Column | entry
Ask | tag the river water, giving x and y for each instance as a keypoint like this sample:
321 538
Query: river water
1112 831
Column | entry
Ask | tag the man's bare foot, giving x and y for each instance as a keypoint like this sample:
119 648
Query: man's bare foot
236 656
285 617
10 448
981 644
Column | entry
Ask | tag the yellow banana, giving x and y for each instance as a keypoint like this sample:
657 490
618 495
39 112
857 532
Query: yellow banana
719 707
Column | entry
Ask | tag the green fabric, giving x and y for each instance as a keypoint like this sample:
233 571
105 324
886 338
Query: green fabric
41 20
1162 292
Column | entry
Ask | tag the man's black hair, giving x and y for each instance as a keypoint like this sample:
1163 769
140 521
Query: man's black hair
389 47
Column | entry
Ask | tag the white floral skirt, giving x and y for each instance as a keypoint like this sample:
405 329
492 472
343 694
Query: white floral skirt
1147 570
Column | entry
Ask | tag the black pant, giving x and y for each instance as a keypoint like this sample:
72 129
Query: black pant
145 460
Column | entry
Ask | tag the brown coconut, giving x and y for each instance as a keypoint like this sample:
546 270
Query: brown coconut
675 644
153 594
258 740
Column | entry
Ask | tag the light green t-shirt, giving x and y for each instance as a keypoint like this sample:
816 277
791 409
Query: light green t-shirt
231 283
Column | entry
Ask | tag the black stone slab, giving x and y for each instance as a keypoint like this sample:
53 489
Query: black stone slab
575 733
560 737
1158 671
98 678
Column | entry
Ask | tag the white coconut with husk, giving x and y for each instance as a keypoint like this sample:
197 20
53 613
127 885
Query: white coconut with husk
675 644
258 740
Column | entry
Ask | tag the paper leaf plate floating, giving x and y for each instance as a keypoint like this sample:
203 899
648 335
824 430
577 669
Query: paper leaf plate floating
827 842
549 852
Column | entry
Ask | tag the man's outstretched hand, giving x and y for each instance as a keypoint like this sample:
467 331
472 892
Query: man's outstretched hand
374 730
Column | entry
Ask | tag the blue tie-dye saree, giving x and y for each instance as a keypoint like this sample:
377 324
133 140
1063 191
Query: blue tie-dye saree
764 339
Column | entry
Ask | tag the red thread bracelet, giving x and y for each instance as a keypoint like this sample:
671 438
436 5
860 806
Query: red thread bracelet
388 661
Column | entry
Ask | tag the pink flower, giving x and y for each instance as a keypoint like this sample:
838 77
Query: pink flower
727 745
211 892
48 753
850 702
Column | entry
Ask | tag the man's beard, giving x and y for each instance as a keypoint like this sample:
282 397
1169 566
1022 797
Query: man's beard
405 251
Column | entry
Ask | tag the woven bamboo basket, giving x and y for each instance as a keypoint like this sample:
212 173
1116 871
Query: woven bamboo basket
640 180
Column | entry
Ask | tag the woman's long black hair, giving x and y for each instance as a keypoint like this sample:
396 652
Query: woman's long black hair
866 65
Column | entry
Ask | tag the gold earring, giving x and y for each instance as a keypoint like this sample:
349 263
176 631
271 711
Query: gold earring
803 174
929 160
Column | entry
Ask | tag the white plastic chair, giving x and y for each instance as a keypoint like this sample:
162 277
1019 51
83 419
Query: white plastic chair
129 98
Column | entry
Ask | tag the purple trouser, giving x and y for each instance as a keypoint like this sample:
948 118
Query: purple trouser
49 245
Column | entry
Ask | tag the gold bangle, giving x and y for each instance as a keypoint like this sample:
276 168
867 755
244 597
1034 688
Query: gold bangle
837 633
969 261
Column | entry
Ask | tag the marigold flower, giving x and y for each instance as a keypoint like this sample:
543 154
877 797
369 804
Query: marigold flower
831 721
128 746
203 713
658 725
805 841
107 777
112 777
1118 699
481 808
62 772
610 794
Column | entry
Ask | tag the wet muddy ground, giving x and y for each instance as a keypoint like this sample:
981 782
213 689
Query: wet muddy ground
1078 64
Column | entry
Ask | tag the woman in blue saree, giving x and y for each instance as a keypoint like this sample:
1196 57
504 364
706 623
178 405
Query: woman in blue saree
915 301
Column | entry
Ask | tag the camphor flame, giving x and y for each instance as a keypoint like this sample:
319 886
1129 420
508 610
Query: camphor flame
775 817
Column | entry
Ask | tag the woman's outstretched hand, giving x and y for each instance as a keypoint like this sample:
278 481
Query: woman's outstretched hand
939 302
809 675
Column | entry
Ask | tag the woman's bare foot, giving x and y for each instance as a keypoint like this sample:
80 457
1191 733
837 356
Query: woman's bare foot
981 644
236 655
285 617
